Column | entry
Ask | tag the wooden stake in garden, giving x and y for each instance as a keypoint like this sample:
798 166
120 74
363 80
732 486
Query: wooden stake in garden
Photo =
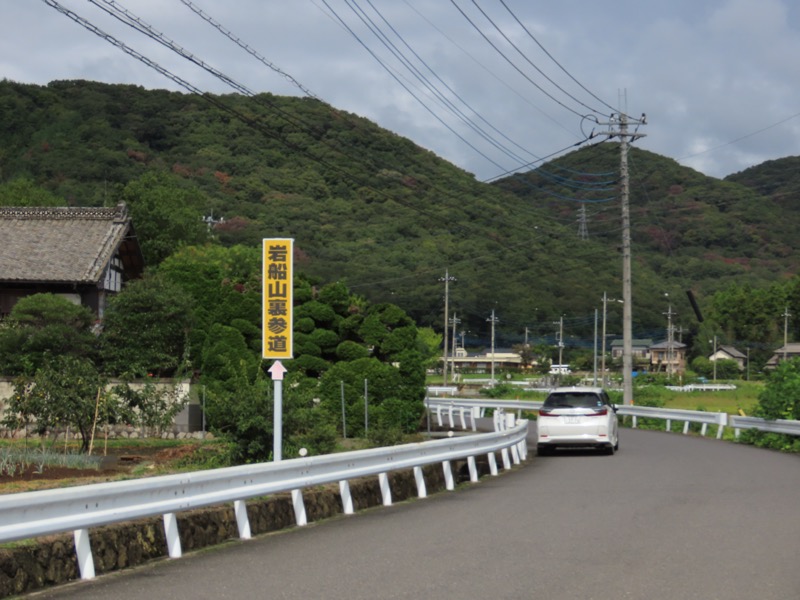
94 423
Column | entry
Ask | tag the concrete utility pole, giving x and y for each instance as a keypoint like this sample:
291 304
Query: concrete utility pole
670 351
455 321
561 340
446 279
603 355
715 358
492 320
618 127
785 316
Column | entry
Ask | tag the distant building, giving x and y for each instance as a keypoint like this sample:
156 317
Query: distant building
82 254
640 349
789 351
669 357
482 362
729 353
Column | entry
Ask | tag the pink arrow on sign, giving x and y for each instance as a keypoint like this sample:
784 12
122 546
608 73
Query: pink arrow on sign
277 370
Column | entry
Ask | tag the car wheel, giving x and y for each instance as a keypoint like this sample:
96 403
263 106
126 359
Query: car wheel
609 449
542 450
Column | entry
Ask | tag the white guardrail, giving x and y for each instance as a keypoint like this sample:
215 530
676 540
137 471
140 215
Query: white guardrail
469 409
31 514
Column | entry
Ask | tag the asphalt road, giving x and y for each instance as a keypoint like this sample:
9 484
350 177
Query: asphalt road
668 517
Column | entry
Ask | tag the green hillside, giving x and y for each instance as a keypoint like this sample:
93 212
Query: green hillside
387 217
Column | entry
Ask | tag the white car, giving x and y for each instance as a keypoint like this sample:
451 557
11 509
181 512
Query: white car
577 417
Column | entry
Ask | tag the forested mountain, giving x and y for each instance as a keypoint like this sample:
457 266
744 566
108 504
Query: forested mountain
387 217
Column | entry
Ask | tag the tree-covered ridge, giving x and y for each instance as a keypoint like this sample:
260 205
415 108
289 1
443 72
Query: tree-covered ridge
375 211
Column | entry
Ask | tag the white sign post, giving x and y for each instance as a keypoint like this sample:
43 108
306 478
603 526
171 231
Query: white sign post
277 313
277 370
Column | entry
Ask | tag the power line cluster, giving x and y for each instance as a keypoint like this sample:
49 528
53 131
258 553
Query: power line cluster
413 68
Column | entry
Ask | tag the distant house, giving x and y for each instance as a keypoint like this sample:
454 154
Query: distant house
787 352
82 254
640 349
729 353
482 363
669 356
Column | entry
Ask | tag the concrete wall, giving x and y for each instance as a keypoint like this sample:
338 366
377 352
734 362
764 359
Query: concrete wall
189 420
51 561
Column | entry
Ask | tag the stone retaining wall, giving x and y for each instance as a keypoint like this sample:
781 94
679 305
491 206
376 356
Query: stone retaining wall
52 561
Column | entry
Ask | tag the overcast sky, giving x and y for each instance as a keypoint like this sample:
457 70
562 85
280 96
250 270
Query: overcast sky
493 85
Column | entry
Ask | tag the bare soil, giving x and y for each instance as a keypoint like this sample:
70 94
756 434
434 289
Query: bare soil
117 465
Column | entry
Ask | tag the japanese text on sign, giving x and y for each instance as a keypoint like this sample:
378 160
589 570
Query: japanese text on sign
277 294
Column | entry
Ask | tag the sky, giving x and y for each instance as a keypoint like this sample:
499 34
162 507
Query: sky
492 86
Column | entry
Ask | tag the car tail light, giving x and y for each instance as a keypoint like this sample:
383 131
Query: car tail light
546 413
598 413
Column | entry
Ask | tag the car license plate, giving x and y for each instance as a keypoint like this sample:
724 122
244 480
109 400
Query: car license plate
572 420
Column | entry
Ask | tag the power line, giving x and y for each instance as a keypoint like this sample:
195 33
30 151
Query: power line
550 56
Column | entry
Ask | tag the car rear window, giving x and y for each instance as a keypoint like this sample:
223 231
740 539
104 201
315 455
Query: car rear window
573 400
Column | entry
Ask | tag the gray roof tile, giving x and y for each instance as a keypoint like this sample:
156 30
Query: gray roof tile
59 244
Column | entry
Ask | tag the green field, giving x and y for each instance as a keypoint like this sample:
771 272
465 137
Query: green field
744 397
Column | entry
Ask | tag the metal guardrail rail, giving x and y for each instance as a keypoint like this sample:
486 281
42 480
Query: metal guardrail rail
467 409
31 514
777 426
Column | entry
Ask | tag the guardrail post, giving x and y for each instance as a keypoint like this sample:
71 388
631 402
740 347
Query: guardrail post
492 463
299 508
439 415
476 412
515 454
669 425
386 491
506 461
450 416
84 550
347 497
685 427
473 469
173 539
463 422
723 421
242 522
703 429
449 483
422 491
633 423
523 450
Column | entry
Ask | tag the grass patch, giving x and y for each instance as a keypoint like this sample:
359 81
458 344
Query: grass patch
744 397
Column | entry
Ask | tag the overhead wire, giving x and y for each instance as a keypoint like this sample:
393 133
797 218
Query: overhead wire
531 63
222 106
511 62
551 57
448 87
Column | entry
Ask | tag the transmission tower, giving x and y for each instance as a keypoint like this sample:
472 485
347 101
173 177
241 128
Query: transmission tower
583 230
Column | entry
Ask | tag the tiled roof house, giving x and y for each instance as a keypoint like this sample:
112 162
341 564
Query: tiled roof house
83 254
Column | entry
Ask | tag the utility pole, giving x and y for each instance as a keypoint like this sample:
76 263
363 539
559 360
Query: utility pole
670 351
492 320
595 346
446 279
715 358
618 127
455 321
785 316
560 340
603 344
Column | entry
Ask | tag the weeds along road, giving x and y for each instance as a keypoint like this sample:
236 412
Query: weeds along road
668 517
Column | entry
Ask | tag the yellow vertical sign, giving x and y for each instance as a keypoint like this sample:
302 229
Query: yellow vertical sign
277 294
